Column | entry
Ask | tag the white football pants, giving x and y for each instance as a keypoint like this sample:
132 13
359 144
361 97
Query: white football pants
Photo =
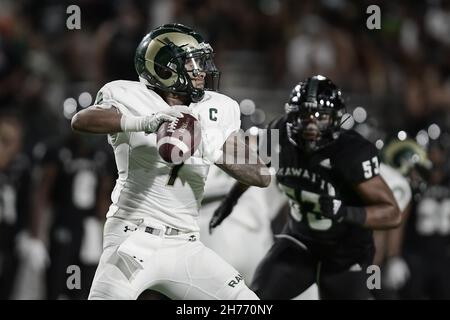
180 267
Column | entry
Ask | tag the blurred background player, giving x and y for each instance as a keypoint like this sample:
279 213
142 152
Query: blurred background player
426 247
74 184
337 197
405 168
15 182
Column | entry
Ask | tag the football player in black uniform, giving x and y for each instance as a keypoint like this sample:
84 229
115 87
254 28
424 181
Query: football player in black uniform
15 177
426 247
331 177
75 183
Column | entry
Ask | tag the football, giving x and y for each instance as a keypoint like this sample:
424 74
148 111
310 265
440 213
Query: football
178 140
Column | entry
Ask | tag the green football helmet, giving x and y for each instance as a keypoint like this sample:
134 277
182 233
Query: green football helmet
409 158
163 55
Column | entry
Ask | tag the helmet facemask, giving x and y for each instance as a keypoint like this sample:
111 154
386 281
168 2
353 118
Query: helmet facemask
314 115
199 67
172 57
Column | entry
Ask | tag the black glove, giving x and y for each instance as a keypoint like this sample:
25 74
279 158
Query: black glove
223 211
335 210
227 205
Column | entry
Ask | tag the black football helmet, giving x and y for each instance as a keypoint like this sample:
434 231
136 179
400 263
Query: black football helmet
314 113
163 54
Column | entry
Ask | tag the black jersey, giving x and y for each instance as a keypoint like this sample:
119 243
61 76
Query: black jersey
428 227
14 198
333 170
75 191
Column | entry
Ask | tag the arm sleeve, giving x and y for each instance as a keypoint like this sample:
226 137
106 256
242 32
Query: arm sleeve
359 162
217 125
106 99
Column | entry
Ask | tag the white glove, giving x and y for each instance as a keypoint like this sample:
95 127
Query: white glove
148 124
32 251
158 118
396 273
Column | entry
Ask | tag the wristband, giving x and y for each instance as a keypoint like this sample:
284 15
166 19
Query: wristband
356 215
132 123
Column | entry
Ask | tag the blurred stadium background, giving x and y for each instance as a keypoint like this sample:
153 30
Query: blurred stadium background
396 81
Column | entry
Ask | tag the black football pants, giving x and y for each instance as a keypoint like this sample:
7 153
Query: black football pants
288 270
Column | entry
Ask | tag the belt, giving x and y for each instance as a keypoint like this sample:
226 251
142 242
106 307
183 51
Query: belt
158 232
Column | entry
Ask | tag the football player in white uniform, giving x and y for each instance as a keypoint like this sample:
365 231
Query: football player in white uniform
151 236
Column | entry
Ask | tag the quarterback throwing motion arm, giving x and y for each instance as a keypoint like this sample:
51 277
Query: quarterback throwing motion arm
100 119
237 167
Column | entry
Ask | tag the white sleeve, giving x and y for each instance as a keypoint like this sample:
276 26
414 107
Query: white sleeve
217 125
113 95
402 194
232 124
106 99
398 185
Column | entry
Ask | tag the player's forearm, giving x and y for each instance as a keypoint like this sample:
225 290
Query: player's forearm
97 120
383 216
395 237
243 163
237 191
226 206
248 174
381 210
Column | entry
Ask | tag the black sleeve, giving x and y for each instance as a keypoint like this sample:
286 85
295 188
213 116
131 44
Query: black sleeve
357 160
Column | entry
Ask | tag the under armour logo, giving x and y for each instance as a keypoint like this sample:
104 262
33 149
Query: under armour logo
127 228
192 238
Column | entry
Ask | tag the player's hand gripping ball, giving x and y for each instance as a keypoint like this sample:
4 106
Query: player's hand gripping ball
178 140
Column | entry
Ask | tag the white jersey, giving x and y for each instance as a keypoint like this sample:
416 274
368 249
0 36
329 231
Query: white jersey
142 189
398 184
249 223
259 206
